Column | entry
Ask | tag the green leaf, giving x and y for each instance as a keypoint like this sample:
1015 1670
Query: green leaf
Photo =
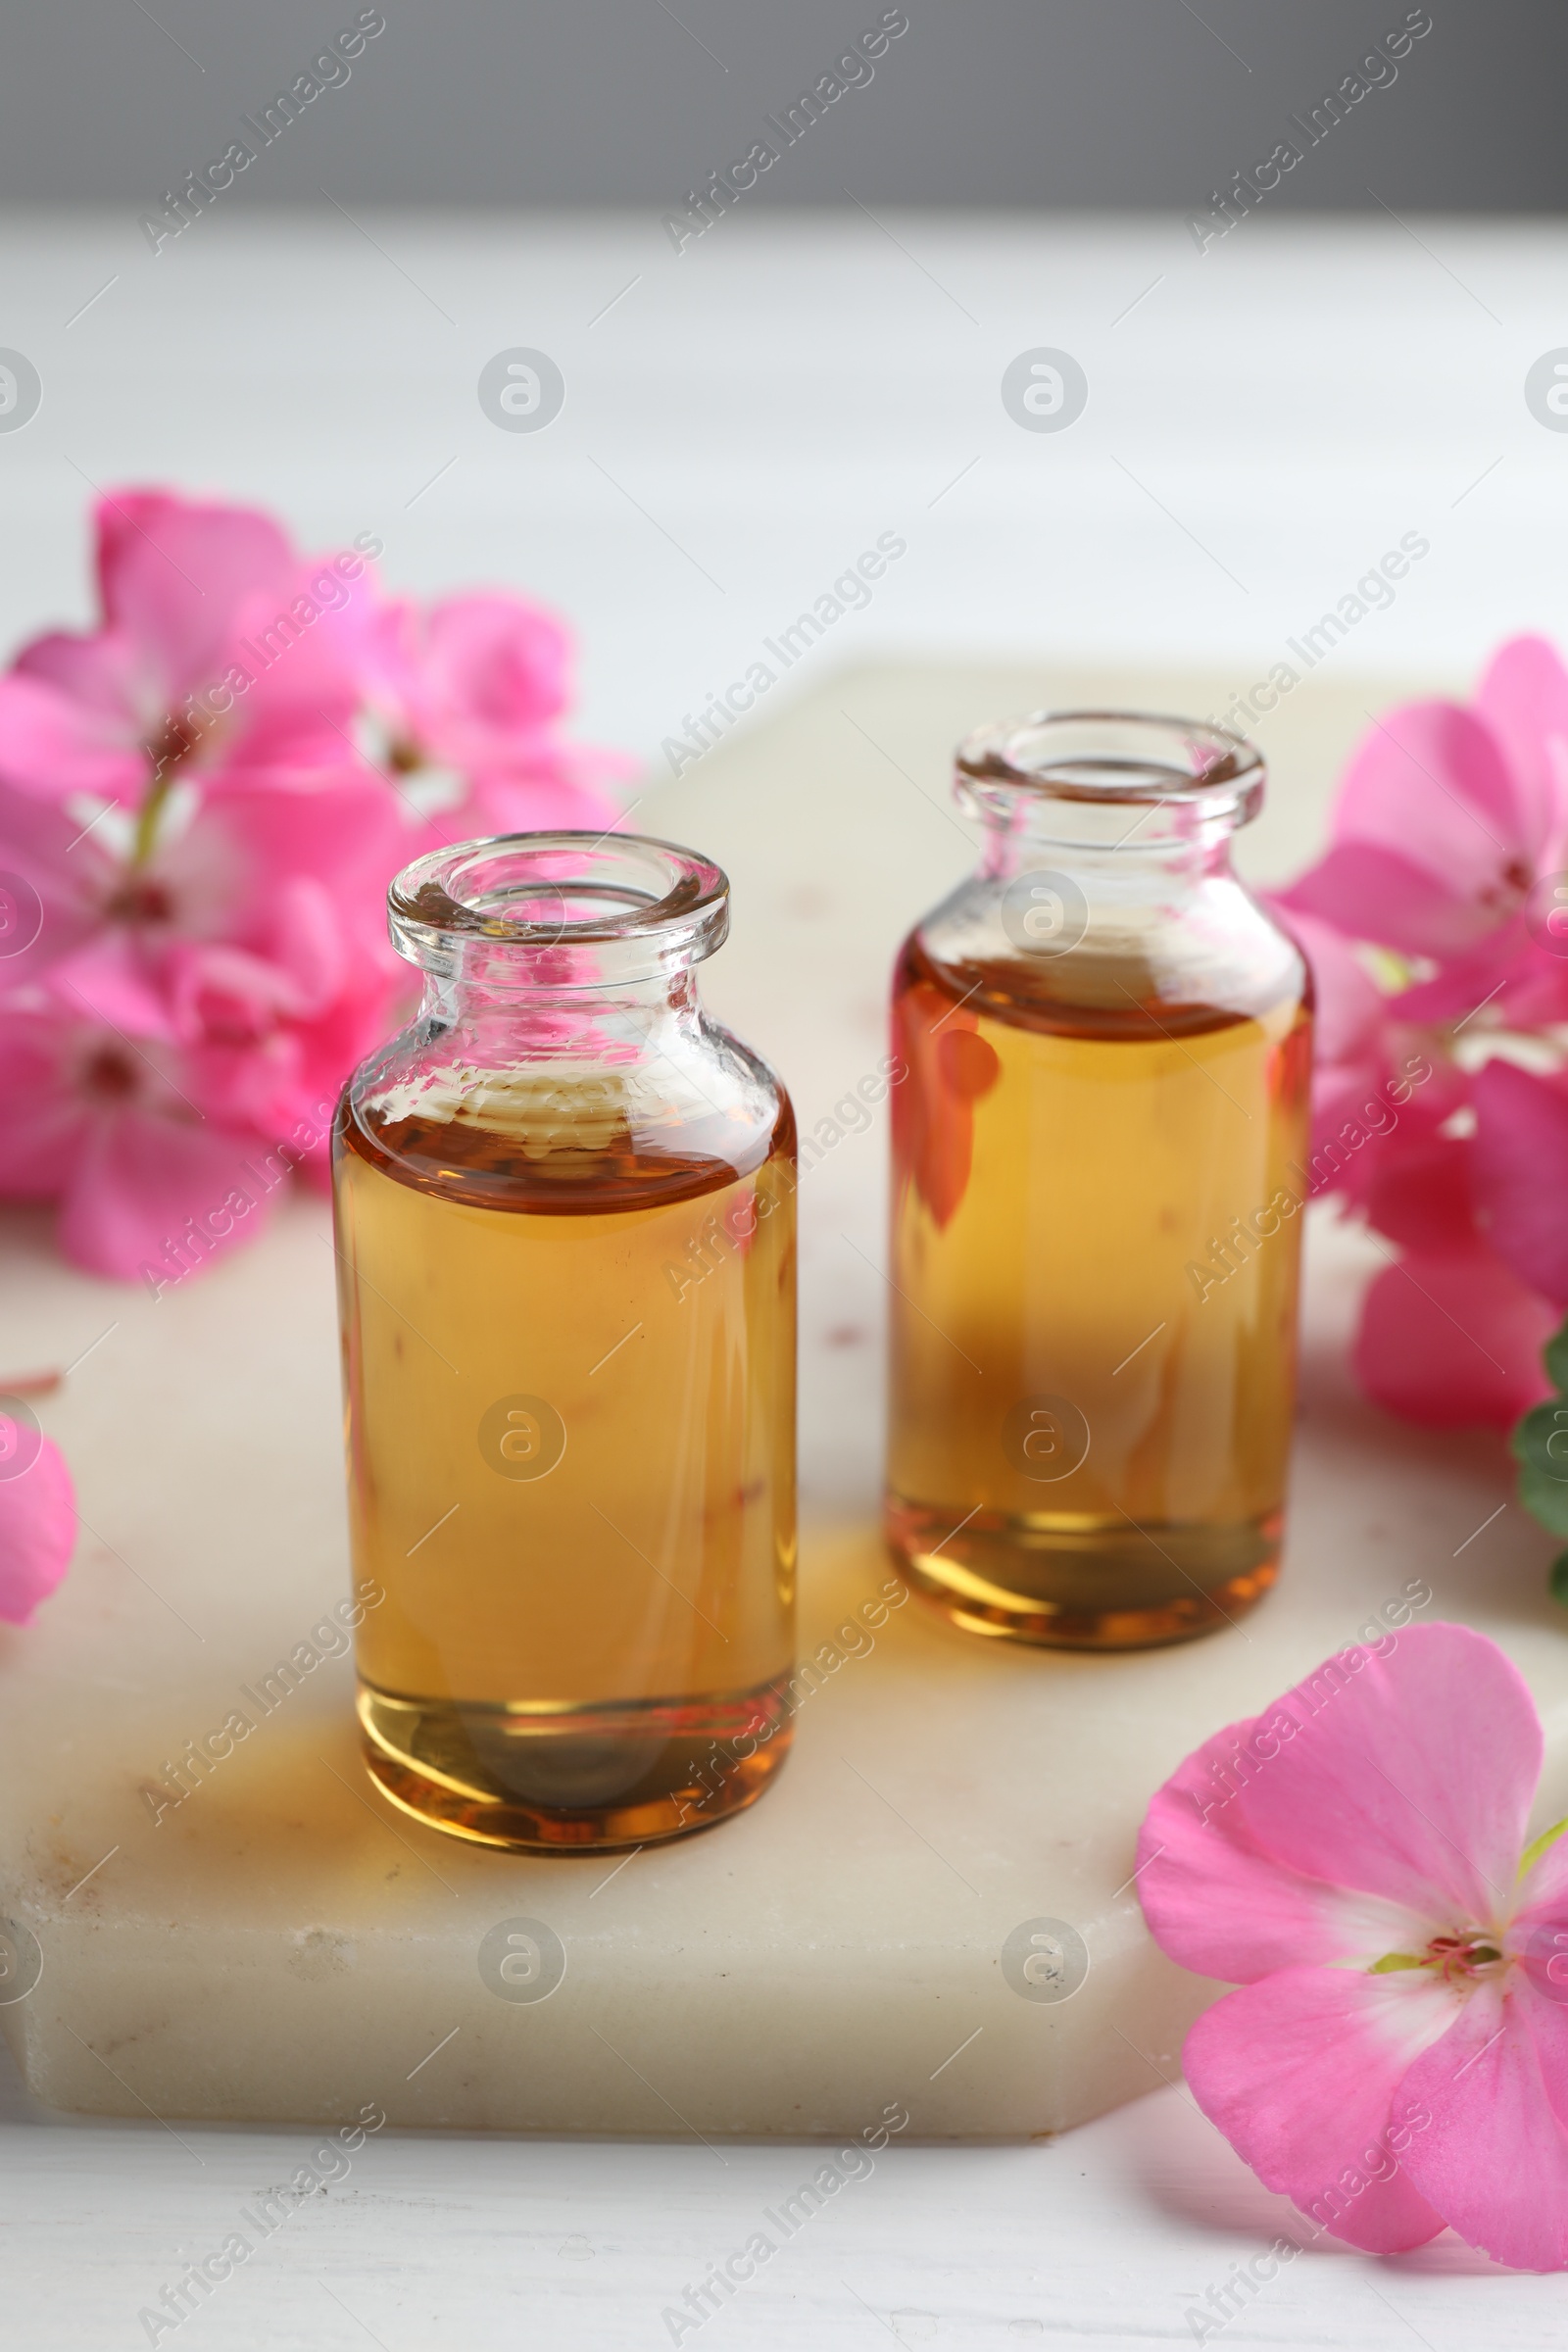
1541 1437
1393 1960
1545 1496
1537 1845
1558 1579
1539 1444
1554 1356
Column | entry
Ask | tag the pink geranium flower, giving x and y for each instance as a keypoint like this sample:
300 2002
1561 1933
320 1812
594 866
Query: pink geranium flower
217 644
201 801
1355 1859
213 1002
464 710
159 774
162 1111
1445 821
199 858
37 1516
1442 894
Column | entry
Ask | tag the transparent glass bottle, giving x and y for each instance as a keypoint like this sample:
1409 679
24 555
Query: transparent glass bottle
1095 1195
566 1231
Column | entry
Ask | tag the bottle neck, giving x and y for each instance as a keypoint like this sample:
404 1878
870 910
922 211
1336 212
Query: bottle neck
622 1020
540 945
1106 906
1151 848
1129 800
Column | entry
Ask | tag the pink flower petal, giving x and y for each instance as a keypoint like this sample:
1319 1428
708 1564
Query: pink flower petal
507 804
1214 1897
1413 1183
1524 700
1520 1173
41 1132
1431 780
174 573
1371 890
1335 1091
1378 1136
71 872
309 943
1453 1340
1535 990
138 1185
497 663
1490 975
37 1533
1495 2161
53 746
1305 2075
1432 836
1542 1900
252 1086
304 650
106 981
1409 1776
257 832
225 995
101 671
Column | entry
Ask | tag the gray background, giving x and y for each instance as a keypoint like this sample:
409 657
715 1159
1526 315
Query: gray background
1007 102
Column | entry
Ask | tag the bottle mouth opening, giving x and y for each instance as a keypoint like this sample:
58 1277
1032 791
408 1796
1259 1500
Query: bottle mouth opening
571 909
1127 757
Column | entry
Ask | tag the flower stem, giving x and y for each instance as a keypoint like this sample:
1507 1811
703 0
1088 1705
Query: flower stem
146 834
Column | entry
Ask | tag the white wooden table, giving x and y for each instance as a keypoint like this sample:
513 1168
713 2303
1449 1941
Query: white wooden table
739 423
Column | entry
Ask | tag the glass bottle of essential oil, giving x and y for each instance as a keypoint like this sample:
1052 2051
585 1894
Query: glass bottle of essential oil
566 1231
1097 1197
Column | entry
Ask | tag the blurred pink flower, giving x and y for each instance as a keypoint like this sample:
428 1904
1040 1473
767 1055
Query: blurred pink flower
1437 924
194 854
219 646
1446 821
1452 1339
204 860
181 798
183 1006
38 1517
1355 1858
464 702
161 1110
1519 1173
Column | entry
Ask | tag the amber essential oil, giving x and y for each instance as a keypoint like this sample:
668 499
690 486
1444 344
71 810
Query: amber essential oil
1093 1302
571 1435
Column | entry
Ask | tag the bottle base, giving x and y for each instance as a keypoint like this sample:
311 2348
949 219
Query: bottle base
1083 1582
586 1779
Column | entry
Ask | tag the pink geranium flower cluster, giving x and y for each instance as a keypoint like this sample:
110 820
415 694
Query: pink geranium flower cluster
1437 926
201 803
1354 1859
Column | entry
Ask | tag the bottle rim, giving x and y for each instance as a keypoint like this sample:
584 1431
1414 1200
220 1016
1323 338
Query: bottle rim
1129 758
638 905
